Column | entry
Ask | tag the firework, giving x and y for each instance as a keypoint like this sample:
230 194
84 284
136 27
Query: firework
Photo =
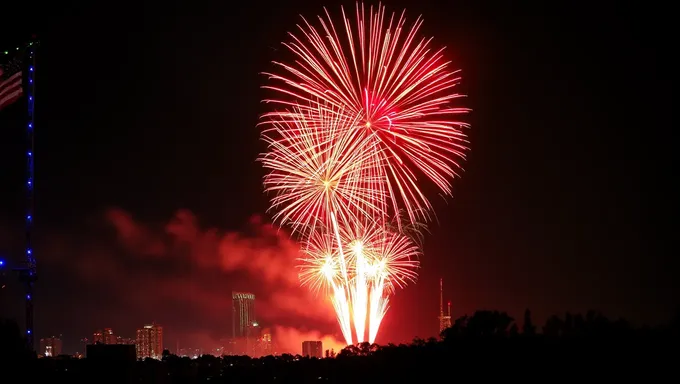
377 262
395 90
315 170
362 112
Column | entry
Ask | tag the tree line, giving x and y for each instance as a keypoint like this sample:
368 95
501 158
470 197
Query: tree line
485 345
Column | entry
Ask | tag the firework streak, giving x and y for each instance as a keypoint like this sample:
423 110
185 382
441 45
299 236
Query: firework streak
364 109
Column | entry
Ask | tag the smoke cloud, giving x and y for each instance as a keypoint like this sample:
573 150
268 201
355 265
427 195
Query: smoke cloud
290 340
124 273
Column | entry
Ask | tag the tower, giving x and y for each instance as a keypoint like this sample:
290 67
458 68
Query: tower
444 321
12 88
243 313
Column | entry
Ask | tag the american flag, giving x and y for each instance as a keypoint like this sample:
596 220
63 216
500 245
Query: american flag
10 82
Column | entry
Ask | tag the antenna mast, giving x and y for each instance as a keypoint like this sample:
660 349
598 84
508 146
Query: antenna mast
444 321
441 297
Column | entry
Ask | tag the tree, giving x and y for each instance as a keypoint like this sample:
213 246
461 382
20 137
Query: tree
553 327
350 351
489 323
457 329
528 329
12 343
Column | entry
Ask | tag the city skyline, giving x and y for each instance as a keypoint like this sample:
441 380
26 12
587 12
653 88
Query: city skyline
262 336
240 300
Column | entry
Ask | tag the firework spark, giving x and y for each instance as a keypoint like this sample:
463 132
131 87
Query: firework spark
315 170
394 87
378 261
362 111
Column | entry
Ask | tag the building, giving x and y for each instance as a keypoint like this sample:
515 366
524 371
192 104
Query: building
255 347
243 313
50 347
193 353
98 337
124 340
109 337
104 337
312 349
253 335
266 342
149 342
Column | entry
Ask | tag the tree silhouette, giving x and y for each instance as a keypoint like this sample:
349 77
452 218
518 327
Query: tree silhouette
12 343
528 328
481 324
572 344
489 323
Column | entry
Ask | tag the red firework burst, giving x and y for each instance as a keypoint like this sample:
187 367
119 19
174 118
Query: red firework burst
363 111
396 90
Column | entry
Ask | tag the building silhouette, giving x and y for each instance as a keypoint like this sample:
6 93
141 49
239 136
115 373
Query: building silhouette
50 346
149 342
312 349
243 313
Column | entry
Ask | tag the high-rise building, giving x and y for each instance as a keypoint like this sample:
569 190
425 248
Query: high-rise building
312 349
243 313
98 337
109 337
50 346
149 341
104 337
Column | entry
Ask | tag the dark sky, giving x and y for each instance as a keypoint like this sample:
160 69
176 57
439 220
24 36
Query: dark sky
150 203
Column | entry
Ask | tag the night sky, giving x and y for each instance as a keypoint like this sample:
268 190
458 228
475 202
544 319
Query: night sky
150 203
